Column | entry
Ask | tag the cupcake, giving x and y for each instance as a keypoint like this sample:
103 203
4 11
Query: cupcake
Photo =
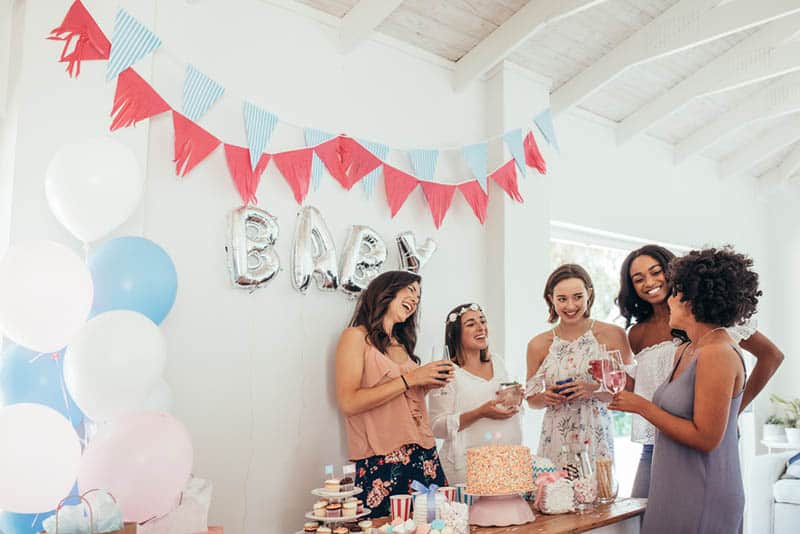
349 509
346 484
333 510
341 530
365 524
360 506
311 526
332 485
323 530
319 508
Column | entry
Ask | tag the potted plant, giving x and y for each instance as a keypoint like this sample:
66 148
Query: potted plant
792 410
773 429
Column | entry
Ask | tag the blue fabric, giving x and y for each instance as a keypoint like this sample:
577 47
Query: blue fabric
475 156
544 121
380 151
199 93
641 483
130 42
430 491
423 160
259 124
513 139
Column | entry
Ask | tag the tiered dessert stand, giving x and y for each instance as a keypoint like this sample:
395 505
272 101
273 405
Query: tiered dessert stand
336 497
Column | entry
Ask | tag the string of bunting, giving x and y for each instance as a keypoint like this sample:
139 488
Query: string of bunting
348 160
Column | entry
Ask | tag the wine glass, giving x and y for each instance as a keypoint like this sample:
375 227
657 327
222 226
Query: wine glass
614 376
597 368
535 385
440 353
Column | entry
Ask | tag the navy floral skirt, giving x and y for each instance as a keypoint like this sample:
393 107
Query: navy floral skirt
382 476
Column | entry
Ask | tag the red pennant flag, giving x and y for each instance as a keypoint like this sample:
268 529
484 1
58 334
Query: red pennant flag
295 166
398 186
476 198
192 144
244 177
506 177
83 36
346 160
134 100
439 197
532 155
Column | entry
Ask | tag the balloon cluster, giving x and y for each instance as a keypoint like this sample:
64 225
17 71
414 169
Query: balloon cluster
88 353
252 260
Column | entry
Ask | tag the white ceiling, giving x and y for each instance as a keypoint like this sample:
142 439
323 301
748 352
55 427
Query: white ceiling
564 38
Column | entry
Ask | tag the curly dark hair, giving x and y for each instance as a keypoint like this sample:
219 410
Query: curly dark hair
372 306
719 284
568 270
452 334
631 306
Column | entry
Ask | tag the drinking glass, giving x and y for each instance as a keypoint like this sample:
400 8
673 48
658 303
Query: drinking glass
614 375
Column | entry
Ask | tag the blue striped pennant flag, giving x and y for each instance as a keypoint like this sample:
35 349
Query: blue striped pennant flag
315 137
199 93
475 156
513 139
424 162
544 121
259 124
380 151
130 42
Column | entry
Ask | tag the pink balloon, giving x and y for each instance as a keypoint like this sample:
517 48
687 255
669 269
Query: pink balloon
143 459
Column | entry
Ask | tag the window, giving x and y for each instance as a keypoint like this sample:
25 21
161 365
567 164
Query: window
602 254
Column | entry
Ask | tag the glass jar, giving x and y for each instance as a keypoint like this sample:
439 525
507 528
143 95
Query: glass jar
607 485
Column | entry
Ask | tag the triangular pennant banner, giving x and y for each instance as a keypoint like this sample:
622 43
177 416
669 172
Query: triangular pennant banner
83 39
192 144
346 160
134 100
130 42
544 121
439 197
475 156
295 166
513 139
506 178
532 155
398 186
423 160
199 93
380 151
259 124
476 197
244 177
315 137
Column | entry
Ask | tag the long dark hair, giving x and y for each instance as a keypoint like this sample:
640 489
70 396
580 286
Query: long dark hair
566 271
631 306
452 332
372 306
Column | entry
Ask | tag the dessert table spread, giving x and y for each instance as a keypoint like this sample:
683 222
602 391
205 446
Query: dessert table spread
623 516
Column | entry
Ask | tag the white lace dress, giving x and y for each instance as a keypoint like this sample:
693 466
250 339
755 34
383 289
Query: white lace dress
581 424
654 365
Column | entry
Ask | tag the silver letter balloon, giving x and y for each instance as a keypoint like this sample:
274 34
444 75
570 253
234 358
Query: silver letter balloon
313 252
363 256
413 257
252 260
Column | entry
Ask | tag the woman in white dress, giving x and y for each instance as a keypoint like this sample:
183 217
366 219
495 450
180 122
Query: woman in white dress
467 410
642 300
576 416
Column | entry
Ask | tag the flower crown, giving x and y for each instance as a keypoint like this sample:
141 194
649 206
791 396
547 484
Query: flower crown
453 317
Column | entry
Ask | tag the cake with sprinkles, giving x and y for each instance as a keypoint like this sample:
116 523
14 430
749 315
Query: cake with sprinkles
499 470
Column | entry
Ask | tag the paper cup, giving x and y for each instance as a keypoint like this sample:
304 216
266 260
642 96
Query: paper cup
449 493
400 507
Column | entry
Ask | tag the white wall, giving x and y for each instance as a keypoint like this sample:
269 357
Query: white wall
252 374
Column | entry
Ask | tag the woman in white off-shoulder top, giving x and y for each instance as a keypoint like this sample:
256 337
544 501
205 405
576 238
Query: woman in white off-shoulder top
467 410
642 300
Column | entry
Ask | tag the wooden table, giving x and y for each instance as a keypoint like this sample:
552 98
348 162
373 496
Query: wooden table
622 516
615 513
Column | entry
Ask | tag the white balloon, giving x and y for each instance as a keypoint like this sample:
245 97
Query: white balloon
92 187
113 363
39 457
45 295
159 398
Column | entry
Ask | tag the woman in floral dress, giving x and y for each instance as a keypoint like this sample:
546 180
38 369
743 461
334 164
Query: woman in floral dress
576 417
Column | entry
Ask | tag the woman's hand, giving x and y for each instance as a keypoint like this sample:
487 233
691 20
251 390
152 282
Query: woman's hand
548 398
625 401
435 374
578 390
495 409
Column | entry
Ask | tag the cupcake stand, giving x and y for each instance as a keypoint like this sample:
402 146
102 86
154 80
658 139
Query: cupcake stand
336 497
500 511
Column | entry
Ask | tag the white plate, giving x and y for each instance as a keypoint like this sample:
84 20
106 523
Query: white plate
322 492
310 516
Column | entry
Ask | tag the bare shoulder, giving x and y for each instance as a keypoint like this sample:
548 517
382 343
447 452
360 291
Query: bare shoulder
636 336
540 342
719 357
608 330
353 336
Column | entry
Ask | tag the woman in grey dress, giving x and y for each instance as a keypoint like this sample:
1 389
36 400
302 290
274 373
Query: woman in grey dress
696 482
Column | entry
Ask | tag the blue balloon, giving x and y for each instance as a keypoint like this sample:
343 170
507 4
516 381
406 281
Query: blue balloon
133 273
11 523
29 376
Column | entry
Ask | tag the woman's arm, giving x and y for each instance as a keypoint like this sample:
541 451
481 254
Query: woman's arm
715 380
768 359
538 347
352 398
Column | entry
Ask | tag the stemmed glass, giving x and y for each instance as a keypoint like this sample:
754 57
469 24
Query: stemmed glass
614 376
442 351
